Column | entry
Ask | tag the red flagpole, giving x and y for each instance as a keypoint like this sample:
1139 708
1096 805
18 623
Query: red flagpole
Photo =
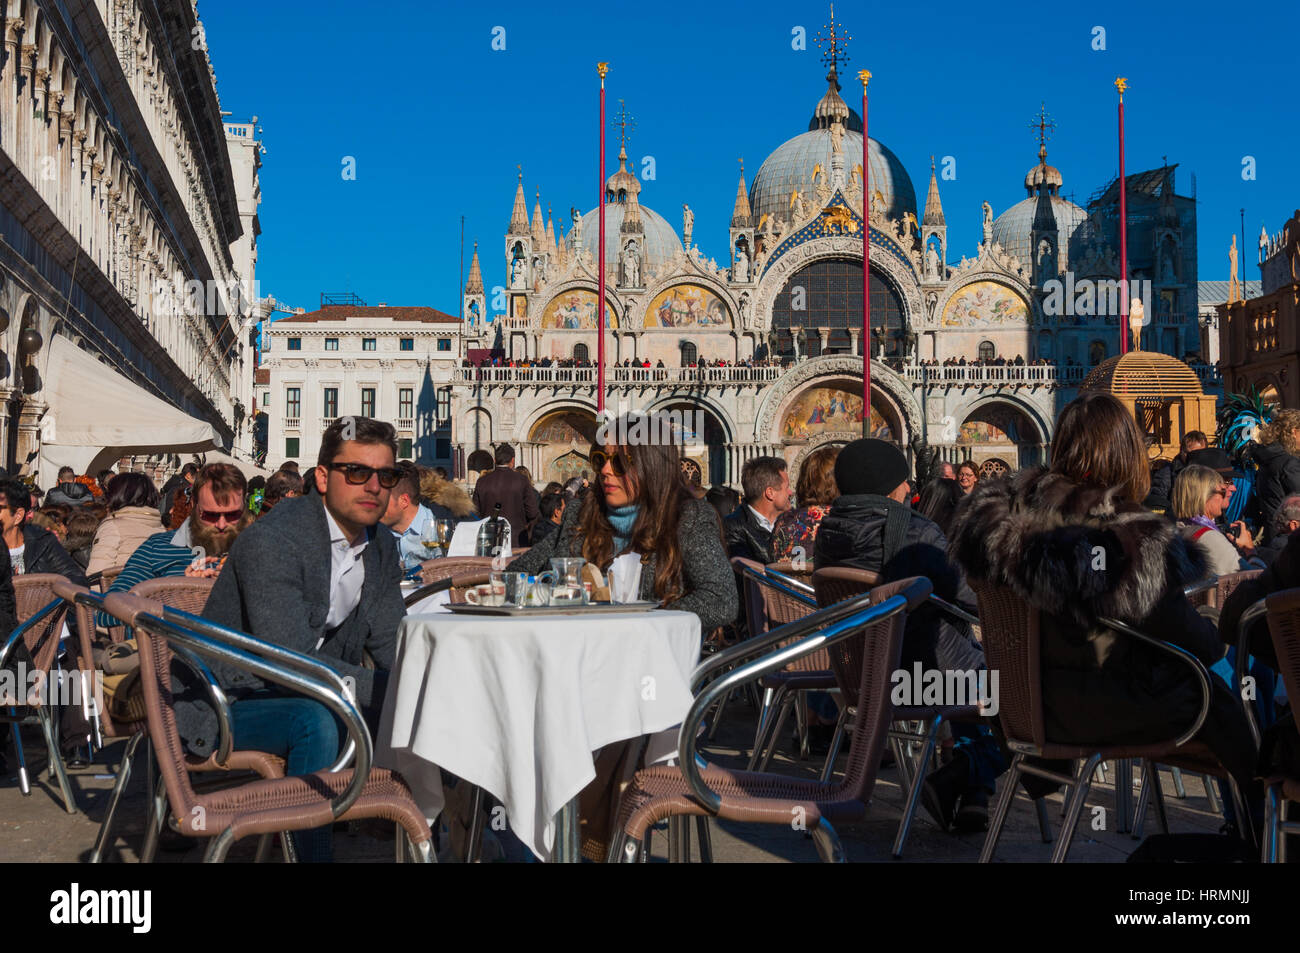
601 68
864 75
1122 84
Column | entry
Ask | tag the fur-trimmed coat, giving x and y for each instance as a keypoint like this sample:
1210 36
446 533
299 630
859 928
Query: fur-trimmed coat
1078 553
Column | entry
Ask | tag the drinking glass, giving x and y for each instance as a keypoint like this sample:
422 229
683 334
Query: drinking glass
444 528
497 580
429 539
516 584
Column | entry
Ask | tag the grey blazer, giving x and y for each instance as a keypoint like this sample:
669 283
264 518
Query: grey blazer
707 576
276 585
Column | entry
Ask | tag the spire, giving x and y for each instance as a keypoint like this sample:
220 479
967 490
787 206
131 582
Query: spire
519 217
741 216
1043 175
550 235
832 106
474 283
538 229
933 210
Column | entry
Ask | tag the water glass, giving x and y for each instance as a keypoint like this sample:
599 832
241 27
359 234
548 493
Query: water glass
516 588
568 581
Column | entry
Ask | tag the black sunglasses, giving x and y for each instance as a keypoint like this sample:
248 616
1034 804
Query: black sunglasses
358 474
617 462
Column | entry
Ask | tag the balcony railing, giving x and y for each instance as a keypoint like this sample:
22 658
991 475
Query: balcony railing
406 423
650 376
292 423
1007 374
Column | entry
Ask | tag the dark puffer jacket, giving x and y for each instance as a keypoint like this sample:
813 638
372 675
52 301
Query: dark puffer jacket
852 534
1078 553
1278 478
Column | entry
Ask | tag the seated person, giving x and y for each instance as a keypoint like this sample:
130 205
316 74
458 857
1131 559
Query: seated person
1046 533
282 485
1285 523
407 517
870 527
640 504
1200 497
318 575
552 508
796 529
748 530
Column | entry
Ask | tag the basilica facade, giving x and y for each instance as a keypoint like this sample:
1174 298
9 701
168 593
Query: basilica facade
1029 311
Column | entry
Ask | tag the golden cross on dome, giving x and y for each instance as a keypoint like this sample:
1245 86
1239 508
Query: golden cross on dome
625 124
1045 127
833 53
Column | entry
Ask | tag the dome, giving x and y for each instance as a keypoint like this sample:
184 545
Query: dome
660 241
1013 228
1043 174
791 167
1143 374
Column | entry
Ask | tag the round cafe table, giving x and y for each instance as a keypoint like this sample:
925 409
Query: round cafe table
519 705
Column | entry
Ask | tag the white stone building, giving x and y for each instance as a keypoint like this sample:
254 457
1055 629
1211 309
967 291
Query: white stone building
393 363
116 182
792 290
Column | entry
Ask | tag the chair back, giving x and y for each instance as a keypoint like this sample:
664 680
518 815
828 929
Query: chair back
187 593
32 593
879 649
768 605
1215 598
1284 625
1011 638
107 576
434 569
835 584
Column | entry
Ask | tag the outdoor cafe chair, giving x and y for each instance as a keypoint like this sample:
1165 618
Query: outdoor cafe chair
834 584
876 619
1012 647
265 805
34 645
190 594
1282 790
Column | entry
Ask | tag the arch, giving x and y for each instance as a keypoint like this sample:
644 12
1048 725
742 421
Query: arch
1096 352
687 272
565 437
1033 414
987 352
580 352
478 428
688 304
975 302
993 468
827 294
574 304
832 407
690 354
707 436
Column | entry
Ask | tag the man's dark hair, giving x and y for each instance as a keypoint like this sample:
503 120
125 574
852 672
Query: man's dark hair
291 466
16 495
1195 435
363 430
504 455
69 471
408 482
550 503
190 469
225 479
760 474
131 489
280 485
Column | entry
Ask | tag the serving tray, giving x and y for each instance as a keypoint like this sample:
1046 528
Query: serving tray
593 608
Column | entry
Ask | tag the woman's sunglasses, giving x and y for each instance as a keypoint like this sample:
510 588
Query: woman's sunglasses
359 474
617 462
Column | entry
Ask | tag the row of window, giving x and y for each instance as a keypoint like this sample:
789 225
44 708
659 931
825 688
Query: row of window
330 402
369 344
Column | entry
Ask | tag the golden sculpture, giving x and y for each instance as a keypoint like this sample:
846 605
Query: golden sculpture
1234 287
1121 84
864 75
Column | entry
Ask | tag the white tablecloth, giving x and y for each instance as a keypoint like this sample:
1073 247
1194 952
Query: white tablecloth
519 706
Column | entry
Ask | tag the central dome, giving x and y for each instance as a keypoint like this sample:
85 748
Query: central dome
792 165
660 242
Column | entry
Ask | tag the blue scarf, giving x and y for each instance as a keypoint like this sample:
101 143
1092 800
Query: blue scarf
622 518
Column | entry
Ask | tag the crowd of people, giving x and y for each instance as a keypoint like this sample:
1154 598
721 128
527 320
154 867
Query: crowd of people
294 557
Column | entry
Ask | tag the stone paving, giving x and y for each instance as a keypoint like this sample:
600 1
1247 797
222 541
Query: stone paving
36 828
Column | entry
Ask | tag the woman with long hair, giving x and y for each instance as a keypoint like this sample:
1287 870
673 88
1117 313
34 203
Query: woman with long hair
1277 455
815 491
1075 543
939 499
640 504
133 518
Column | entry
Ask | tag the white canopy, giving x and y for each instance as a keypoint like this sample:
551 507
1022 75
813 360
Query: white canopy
96 415
246 467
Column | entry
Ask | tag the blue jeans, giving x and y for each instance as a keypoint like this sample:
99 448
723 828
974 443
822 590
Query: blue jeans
304 733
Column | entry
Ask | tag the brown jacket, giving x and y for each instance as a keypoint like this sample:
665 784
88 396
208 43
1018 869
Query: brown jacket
120 535
512 490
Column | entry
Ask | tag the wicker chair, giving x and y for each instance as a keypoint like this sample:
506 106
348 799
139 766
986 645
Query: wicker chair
876 621
35 644
189 594
1012 646
834 584
265 805
1282 790
770 603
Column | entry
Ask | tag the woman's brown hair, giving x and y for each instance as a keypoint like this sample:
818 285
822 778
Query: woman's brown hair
1098 442
1280 430
816 486
654 473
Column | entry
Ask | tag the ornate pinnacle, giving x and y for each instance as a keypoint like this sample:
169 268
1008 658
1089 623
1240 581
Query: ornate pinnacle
1121 84
864 75
602 69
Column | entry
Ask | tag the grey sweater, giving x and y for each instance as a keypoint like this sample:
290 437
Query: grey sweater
707 577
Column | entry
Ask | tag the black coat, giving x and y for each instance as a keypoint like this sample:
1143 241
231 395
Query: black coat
42 552
852 534
8 604
746 537
1077 553
1278 478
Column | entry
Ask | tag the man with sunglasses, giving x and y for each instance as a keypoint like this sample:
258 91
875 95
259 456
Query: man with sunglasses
318 575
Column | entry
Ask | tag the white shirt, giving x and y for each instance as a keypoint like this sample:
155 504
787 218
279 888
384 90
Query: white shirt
763 521
347 573
16 558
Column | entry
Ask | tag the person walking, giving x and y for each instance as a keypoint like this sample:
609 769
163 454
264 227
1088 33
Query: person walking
506 487
69 492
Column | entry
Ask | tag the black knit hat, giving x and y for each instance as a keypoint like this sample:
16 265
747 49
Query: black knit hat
870 466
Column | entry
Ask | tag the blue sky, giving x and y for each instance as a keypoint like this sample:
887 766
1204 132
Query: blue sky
437 120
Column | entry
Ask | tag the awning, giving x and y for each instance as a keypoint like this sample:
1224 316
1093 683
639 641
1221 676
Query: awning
92 407
246 467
